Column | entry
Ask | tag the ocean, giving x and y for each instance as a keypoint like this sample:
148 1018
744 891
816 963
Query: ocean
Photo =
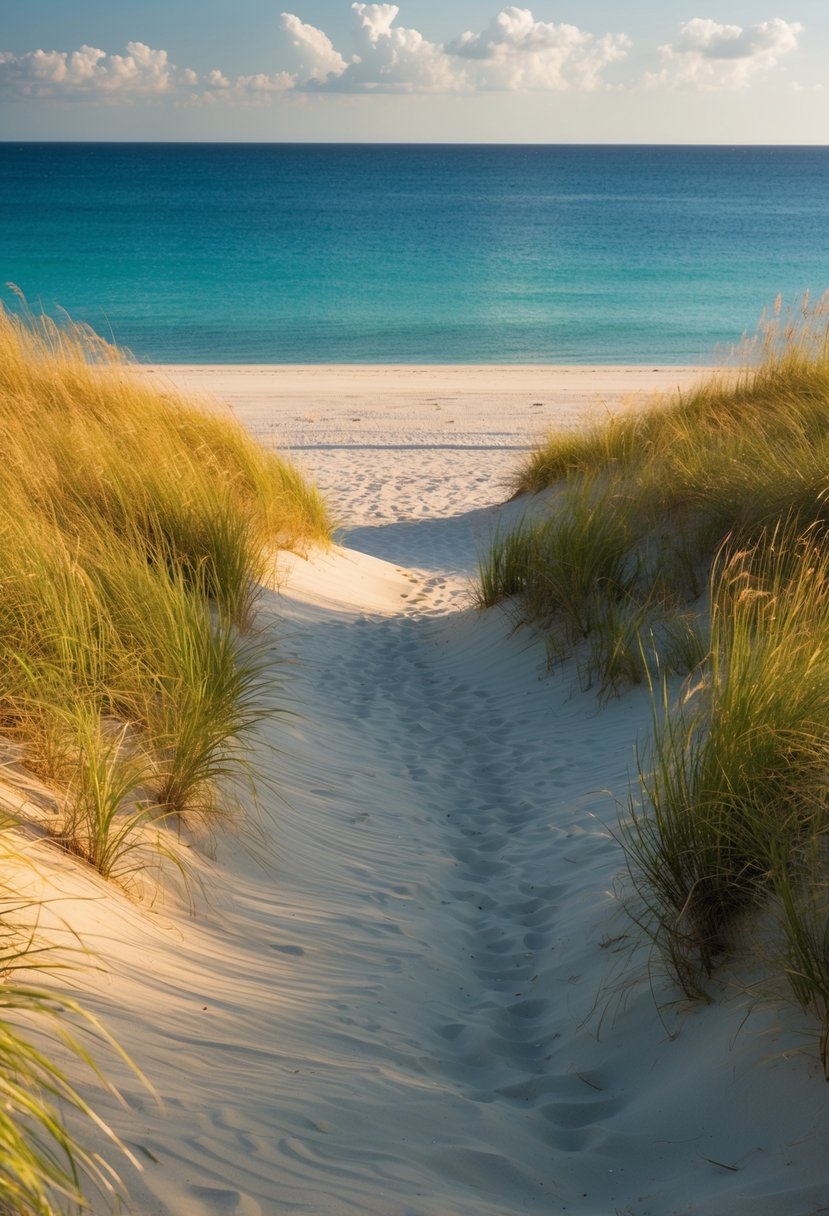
414 253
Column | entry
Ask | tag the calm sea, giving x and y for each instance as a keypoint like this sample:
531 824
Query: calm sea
400 253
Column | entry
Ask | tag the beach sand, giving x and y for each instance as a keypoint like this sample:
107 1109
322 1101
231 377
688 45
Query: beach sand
414 992
390 443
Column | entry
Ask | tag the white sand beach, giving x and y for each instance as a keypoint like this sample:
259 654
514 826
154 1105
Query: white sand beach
413 990
391 443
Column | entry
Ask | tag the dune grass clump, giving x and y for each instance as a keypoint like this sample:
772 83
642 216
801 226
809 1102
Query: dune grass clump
601 574
583 573
734 805
669 483
725 488
567 564
134 530
779 392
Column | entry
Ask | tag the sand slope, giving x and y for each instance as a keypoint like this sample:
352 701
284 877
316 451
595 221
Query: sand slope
404 996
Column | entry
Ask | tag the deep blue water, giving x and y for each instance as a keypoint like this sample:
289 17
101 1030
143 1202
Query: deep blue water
401 253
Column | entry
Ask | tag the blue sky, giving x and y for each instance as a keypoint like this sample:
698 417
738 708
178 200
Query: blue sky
679 71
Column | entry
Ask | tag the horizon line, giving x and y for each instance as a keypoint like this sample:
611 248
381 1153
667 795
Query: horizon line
408 143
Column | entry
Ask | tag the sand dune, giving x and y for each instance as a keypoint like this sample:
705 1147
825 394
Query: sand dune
414 992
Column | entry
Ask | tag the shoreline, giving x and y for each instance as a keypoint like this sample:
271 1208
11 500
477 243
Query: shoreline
409 383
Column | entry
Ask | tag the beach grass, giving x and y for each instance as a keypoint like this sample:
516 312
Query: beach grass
135 530
733 809
45 1167
605 577
725 487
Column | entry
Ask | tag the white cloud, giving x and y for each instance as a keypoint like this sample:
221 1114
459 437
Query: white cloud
394 59
376 19
709 55
142 71
517 52
90 71
258 88
314 55
514 53
262 82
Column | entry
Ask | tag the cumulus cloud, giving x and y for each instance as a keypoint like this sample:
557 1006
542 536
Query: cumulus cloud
709 55
376 19
263 82
517 52
90 71
314 55
393 59
258 87
514 52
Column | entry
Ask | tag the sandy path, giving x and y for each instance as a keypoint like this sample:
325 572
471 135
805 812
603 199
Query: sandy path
405 1011
452 985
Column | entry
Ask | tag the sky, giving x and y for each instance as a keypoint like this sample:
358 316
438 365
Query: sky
554 71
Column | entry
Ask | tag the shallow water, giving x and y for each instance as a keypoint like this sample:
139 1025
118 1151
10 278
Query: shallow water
414 254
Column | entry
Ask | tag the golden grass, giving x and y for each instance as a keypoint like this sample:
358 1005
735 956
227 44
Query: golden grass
134 532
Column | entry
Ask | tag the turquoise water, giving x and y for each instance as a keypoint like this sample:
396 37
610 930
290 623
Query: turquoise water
400 253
